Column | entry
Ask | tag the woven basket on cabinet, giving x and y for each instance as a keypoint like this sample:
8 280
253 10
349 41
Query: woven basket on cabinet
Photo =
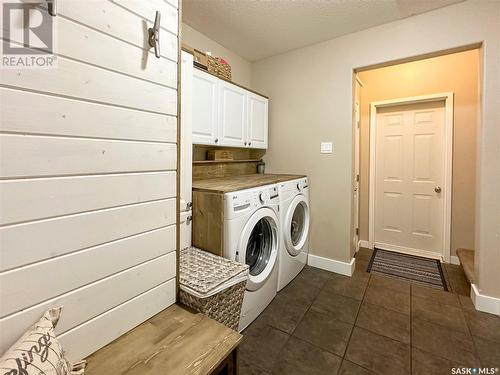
219 68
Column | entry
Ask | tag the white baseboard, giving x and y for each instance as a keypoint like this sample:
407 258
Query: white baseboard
483 302
365 244
343 268
454 260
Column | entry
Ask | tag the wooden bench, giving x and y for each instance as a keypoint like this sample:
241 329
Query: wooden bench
174 342
466 257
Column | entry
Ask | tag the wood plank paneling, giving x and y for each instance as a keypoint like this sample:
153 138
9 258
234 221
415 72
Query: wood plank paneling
52 156
88 178
36 283
66 234
147 10
35 199
174 3
79 80
91 300
92 335
80 43
112 19
71 117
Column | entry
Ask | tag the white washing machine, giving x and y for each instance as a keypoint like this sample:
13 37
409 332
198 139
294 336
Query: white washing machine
295 219
252 236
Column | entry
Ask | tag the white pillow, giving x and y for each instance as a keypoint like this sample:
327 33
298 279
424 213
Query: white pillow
38 352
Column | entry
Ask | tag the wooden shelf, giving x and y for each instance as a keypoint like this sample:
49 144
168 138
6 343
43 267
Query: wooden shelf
226 161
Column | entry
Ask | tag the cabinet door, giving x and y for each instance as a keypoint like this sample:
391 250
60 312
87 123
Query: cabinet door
257 121
204 108
232 115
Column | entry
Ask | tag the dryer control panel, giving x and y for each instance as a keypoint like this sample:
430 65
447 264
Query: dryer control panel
294 185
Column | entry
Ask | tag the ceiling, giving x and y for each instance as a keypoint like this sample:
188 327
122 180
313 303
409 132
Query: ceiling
256 29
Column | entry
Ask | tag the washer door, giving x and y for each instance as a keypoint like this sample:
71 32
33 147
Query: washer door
258 246
296 225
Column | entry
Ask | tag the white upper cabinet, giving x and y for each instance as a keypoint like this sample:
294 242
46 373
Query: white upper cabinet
205 108
257 108
232 115
225 114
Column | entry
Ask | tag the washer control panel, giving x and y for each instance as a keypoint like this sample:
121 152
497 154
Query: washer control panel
253 198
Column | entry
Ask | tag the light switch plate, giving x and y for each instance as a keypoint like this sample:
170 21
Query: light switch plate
326 147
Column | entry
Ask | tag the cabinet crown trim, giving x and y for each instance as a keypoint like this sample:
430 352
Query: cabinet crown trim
234 83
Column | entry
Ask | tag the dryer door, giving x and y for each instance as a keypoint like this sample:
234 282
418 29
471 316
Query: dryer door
259 246
296 225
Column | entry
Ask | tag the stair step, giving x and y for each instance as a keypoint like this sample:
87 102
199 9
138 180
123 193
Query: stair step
466 257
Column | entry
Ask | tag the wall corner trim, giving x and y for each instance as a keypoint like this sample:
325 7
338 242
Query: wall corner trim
483 302
366 244
343 268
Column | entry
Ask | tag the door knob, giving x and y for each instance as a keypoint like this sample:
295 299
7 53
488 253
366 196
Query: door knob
437 189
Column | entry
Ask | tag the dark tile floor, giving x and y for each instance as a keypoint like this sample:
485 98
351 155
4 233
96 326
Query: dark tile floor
325 323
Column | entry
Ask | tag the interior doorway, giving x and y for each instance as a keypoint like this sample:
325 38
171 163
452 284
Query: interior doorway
410 175
440 215
357 137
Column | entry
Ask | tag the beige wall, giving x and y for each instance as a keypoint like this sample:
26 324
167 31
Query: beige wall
457 73
241 69
311 95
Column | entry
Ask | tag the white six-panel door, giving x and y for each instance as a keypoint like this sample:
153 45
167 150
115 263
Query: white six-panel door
409 178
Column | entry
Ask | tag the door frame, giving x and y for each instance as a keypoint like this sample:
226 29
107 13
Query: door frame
448 164
356 190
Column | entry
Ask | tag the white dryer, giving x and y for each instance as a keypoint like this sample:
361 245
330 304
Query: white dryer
294 218
251 236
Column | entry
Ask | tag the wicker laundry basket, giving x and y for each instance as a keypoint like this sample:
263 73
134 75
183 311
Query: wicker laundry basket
212 285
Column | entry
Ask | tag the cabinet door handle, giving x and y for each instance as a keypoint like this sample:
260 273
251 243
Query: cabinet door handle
154 35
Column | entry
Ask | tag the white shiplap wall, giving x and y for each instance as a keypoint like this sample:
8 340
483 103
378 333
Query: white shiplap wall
88 176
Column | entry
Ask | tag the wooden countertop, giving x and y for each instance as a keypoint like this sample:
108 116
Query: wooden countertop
223 185
174 342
